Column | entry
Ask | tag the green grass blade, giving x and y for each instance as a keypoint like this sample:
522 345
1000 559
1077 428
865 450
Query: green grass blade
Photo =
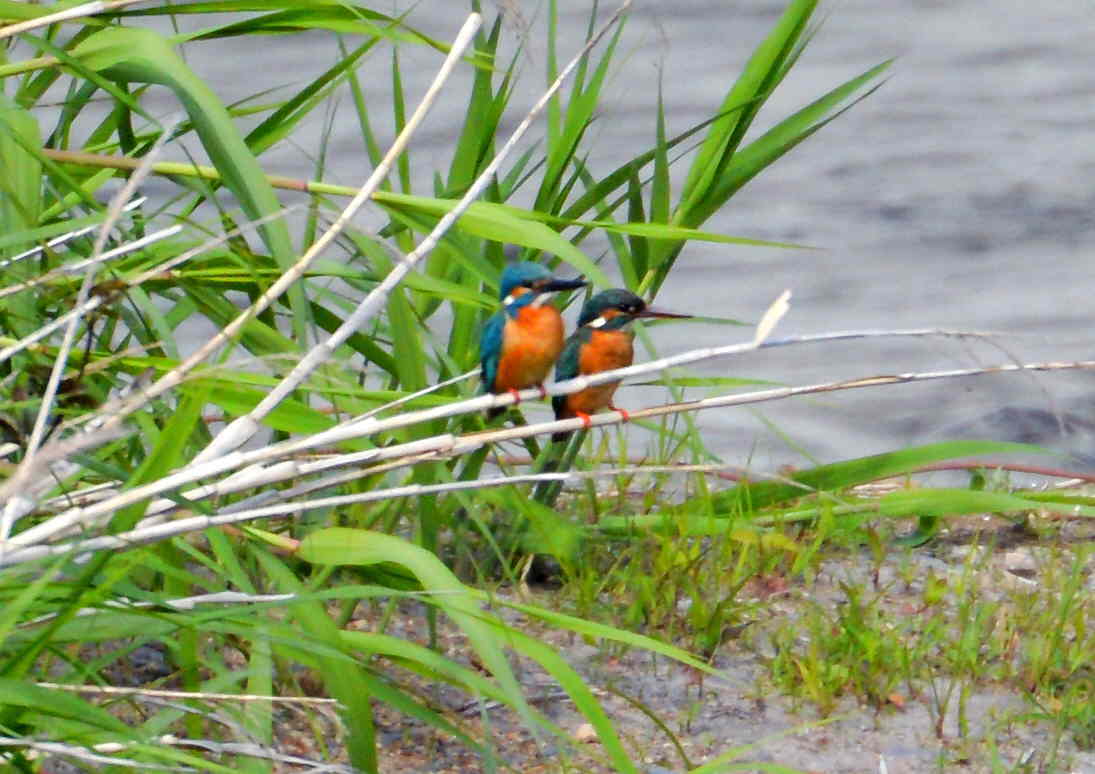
840 475
338 545
742 103
344 680
580 694
778 140
142 56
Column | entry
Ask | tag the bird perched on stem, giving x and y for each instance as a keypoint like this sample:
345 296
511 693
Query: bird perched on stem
602 342
521 341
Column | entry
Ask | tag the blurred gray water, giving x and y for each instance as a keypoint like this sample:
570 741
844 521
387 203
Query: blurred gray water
960 195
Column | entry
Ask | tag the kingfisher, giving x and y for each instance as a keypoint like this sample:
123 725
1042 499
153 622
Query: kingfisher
602 342
519 343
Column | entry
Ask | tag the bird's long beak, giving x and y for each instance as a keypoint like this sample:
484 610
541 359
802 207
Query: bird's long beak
659 313
555 284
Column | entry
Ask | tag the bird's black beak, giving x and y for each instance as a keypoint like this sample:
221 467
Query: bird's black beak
555 285
660 314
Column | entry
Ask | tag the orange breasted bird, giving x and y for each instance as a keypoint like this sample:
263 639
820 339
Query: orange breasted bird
601 343
520 343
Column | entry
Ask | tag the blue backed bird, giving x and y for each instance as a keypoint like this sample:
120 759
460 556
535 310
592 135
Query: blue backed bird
602 342
520 343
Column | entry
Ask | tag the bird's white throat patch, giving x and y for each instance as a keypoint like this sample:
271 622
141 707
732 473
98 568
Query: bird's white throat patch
540 300
598 322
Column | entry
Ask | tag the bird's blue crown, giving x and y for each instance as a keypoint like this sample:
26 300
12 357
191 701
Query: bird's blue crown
622 300
521 273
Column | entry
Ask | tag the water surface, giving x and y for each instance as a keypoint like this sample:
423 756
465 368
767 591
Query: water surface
959 195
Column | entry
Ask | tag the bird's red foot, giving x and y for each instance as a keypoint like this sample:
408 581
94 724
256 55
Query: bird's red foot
516 395
543 391
587 421
624 415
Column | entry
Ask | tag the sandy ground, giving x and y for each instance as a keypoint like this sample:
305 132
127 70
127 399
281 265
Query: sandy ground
701 717
714 715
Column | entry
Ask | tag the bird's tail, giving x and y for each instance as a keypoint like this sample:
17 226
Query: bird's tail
559 403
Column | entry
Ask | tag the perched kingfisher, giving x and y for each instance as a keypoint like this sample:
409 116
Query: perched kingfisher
520 342
601 343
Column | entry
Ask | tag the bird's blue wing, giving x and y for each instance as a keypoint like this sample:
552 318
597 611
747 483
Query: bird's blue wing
567 366
490 349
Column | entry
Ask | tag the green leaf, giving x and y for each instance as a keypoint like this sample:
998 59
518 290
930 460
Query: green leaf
60 704
741 104
342 546
583 698
777 141
236 399
20 209
143 56
841 475
346 681
502 224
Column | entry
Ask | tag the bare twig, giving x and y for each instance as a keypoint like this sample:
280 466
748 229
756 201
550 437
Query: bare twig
70 235
76 12
22 502
449 444
243 428
89 305
84 754
71 268
112 690
176 375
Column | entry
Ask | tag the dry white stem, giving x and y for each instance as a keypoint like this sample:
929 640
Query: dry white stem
771 318
114 212
103 753
68 235
71 268
76 12
90 305
93 755
448 445
20 493
259 475
414 395
181 603
372 426
23 502
161 509
88 515
175 376
256 751
328 482
196 523
110 690
152 533
243 428
86 495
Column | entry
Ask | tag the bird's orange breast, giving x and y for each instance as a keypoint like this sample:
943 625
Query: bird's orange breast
531 343
605 351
